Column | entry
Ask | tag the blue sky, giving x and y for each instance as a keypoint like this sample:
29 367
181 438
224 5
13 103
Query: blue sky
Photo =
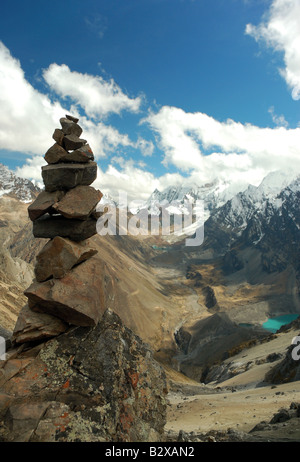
166 90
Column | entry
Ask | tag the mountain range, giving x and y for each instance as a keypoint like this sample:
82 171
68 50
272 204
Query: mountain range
247 267
14 186
200 308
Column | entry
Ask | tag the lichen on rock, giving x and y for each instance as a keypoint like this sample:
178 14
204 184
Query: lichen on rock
89 384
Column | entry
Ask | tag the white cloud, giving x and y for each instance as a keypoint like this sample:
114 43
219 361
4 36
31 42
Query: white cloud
146 147
278 120
207 148
27 117
281 31
138 183
32 169
95 95
102 138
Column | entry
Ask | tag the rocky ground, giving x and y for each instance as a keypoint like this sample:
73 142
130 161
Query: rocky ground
235 415
243 407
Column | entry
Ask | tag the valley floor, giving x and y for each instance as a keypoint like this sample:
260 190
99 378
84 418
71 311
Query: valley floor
239 403
240 410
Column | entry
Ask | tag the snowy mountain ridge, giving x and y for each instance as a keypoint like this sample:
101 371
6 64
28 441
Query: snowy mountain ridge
262 200
11 184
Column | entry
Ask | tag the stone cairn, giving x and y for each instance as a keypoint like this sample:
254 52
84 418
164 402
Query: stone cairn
67 286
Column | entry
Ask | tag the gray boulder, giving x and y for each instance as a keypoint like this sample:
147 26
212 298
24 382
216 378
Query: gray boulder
57 225
67 176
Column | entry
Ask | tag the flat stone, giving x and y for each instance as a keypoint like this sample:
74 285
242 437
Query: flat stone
83 154
59 256
58 136
55 154
57 225
44 203
69 127
73 142
79 202
67 176
32 326
74 119
77 298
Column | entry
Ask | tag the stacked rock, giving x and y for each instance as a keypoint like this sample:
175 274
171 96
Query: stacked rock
68 281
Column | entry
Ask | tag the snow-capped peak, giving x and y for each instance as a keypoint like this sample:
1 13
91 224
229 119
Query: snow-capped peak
175 198
22 189
262 199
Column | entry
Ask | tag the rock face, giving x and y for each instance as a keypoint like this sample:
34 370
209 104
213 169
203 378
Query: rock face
90 384
287 370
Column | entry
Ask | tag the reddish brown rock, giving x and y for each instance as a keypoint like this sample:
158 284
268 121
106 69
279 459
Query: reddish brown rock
67 176
77 298
55 154
58 136
83 154
58 256
73 142
43 203
31 326
79 202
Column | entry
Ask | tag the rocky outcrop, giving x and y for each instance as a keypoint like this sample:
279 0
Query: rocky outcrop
232 262
210 298
287 370
89 384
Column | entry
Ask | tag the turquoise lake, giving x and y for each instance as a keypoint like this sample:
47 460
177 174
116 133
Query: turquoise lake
273 324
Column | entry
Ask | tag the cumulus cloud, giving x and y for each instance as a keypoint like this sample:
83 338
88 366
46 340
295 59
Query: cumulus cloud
131 177
281 31
95 95
32 170
27 117
207 148
137 182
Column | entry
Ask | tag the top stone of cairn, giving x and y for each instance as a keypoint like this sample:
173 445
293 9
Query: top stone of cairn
74 119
